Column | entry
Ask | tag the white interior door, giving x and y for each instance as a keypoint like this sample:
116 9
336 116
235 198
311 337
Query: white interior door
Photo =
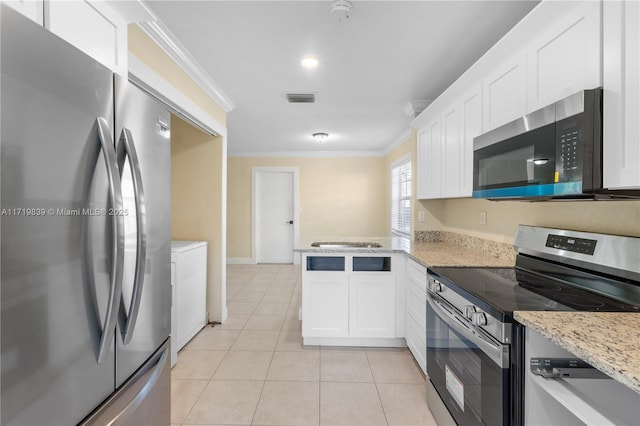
274 216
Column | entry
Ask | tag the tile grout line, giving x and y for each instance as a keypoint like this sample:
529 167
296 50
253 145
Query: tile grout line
266 375
375 383
195 401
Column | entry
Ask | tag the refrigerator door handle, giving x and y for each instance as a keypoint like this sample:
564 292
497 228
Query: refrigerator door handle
117 235
126 149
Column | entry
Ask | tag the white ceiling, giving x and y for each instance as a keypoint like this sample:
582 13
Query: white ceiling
387 54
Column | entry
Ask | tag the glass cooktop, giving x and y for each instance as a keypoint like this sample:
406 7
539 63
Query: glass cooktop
501 291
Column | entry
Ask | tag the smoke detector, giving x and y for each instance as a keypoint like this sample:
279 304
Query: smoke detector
340 10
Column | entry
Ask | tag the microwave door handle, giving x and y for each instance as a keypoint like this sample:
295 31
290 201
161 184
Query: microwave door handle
127 150
117 235
495 352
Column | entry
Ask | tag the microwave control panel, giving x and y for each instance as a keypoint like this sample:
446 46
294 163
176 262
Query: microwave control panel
569 149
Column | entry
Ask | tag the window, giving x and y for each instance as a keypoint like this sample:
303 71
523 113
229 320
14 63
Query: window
401 198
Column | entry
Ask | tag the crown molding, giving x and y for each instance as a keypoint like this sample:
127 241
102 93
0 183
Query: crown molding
161 35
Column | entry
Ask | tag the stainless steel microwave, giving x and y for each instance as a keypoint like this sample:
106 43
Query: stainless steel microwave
554 152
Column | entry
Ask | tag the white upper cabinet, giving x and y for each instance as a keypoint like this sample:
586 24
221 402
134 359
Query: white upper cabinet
32 9
565 58
470 127
93 27
445 149
504 94
432 160
422 179
621 128
451 153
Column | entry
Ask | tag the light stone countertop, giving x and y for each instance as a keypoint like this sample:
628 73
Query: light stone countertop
610 341
473 252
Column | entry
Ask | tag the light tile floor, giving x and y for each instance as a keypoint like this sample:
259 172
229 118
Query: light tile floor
254 370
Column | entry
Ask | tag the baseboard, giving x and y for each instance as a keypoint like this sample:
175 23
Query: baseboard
241 261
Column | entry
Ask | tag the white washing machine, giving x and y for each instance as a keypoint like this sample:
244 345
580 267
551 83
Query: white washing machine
189 282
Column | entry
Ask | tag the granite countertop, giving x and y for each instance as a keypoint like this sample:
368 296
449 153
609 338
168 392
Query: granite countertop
610 341
447 252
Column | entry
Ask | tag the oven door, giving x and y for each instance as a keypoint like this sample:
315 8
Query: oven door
469 370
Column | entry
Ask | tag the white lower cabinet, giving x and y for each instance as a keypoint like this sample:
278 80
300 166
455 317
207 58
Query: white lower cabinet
350 300
325 307
372 310
417 344
416 312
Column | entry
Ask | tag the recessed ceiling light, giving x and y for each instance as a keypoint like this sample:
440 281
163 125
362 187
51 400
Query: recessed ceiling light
309 61
320 137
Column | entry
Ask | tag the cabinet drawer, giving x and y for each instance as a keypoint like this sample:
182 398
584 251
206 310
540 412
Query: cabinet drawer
416 305
418 274
416 341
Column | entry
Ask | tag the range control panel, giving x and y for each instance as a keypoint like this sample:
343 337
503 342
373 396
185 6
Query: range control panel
577 245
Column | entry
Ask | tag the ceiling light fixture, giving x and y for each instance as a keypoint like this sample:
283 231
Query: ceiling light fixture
320 137
309 61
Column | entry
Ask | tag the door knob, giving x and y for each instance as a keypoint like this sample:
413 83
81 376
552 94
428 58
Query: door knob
290 222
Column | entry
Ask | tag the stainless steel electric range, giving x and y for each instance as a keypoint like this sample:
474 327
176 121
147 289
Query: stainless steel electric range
475 349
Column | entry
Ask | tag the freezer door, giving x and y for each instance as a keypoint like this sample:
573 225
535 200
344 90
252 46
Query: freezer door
54 296
144 157
144 400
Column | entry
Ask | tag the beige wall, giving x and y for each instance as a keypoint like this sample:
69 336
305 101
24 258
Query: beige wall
197 170
196 191
145 49
503 217
338 197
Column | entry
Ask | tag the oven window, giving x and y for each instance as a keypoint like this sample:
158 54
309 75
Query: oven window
473 387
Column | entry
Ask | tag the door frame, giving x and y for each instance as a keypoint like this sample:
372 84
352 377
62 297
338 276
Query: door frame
295 175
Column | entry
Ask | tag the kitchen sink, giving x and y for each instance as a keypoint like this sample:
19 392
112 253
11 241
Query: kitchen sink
345 245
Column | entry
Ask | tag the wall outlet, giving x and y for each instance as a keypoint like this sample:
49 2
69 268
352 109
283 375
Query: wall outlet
483 218
421 217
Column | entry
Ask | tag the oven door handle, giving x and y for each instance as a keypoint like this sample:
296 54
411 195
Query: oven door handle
498 353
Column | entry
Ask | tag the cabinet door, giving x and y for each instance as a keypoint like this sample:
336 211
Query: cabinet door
566 58
504 93
372 306
433 160
470 127
621 127
416 342
32 9
325 309
451 152
93 27
422 166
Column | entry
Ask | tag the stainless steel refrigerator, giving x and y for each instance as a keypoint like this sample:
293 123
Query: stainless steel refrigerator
85 288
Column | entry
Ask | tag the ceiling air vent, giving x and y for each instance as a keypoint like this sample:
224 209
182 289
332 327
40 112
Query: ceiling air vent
301 98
